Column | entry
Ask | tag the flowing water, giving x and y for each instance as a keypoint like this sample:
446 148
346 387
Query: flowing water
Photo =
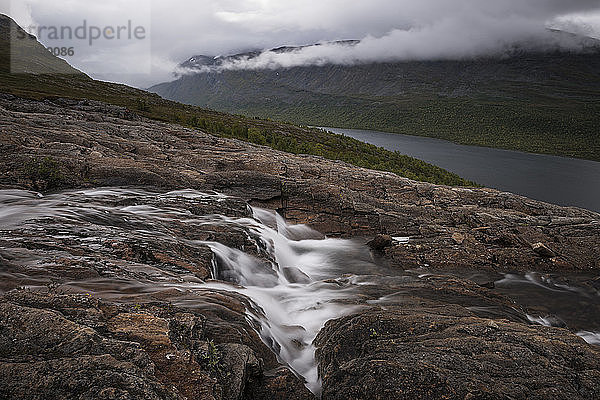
296 279
298 292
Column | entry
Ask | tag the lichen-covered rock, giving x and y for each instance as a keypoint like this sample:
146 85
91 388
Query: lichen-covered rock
43 354
443 353
76 347
90 144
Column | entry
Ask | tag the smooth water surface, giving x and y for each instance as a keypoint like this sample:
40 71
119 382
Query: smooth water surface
558 180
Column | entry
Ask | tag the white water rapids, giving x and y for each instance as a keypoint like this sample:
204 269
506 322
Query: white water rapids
296 278
300 291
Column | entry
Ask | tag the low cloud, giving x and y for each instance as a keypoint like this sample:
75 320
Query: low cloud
388 30
433 30
447 40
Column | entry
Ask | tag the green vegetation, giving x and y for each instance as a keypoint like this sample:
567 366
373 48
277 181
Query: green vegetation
335 147
540 103
45 174
570 130
280 136
211 357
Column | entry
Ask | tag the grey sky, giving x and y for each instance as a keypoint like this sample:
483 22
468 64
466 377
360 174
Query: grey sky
392 29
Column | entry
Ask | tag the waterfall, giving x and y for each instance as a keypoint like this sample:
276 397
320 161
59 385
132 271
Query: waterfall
298 291
295 278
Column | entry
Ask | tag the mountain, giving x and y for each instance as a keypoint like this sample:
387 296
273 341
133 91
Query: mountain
199 62
535 101
21 53
44 76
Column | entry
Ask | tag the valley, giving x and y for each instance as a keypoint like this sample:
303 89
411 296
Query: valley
544 103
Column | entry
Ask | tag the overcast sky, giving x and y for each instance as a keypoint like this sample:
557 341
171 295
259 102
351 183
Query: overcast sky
174 30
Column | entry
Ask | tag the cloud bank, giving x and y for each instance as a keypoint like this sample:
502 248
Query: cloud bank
405 30
444 41
388 29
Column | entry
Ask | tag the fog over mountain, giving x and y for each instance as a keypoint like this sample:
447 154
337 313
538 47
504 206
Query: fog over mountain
399 45
388 29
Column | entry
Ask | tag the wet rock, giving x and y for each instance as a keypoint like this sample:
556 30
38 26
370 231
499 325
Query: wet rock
459 296
542 250
279 383
293 274
596 283
420 353
489 285
239 364
380 242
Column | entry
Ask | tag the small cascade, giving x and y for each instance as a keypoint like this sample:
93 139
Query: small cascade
295 284
128 245
590 337
296 279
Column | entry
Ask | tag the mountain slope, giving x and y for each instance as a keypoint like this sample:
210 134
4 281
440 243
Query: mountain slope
536 102
21 53
54 82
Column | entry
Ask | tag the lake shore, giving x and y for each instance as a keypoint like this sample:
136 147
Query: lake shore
559 180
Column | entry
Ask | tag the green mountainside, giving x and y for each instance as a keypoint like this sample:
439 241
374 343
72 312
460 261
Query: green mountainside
536 102
40 75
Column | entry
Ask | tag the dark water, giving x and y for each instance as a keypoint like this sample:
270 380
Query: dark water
558 180
564 300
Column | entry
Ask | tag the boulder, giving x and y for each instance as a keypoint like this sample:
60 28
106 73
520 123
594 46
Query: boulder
542 250
443 353
380 242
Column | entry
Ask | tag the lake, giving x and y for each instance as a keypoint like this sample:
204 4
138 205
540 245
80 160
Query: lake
559 180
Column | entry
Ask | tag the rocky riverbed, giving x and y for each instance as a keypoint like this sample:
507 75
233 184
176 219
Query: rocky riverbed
145 260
